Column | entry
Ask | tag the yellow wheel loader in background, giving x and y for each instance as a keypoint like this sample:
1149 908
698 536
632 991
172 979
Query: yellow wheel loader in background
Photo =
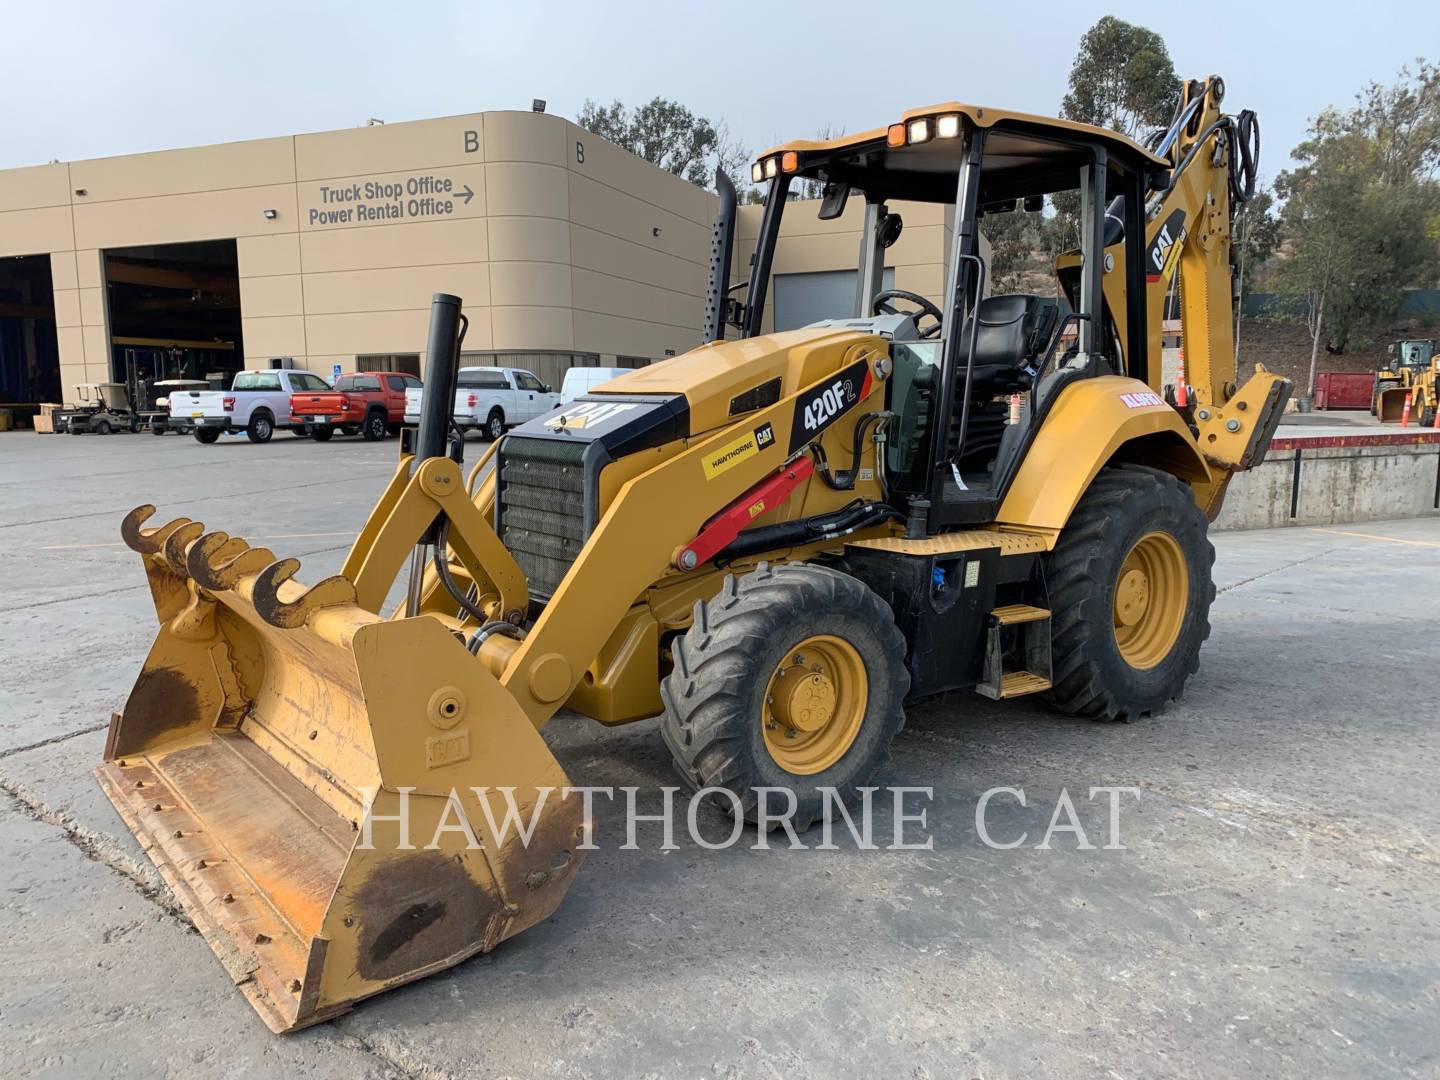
1414 377
772 541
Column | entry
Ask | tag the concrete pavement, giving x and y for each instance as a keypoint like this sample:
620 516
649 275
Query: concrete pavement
1273 912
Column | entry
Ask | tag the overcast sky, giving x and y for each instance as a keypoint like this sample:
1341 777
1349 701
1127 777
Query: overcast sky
90 79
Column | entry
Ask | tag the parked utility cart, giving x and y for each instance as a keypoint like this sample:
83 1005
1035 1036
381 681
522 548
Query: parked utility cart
257 403
160 418
101 408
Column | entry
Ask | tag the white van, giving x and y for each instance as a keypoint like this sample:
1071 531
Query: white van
581 380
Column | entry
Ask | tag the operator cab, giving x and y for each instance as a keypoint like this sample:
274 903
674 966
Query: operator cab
974 373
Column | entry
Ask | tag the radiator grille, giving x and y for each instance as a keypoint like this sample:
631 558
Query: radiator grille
542 507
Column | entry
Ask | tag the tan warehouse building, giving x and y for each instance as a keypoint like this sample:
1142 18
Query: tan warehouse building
323 250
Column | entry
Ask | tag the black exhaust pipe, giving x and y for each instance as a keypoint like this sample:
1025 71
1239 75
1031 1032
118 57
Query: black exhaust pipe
722 249
442 366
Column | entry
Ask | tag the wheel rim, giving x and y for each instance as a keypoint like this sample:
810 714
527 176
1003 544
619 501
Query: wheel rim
497 427
814 704
262 427
1152 591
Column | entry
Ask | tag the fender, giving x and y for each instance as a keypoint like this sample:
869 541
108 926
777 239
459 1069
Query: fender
1085 428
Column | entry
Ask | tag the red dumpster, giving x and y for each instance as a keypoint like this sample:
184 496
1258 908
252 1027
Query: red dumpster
1344 389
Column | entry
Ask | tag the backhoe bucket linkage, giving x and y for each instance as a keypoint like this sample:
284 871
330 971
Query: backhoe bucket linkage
341 803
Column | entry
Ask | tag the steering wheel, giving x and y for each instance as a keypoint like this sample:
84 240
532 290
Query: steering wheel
881 305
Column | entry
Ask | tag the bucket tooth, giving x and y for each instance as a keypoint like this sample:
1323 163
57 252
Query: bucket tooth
215 562
174 546
146 541
289 614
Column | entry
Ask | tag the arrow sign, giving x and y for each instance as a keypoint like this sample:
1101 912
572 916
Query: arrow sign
467 194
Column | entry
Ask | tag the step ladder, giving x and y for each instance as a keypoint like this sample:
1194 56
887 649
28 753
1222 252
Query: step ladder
1028 644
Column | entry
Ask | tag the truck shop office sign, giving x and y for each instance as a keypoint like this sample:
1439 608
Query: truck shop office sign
412 198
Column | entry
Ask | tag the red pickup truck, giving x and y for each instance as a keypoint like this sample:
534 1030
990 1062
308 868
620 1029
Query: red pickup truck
369 402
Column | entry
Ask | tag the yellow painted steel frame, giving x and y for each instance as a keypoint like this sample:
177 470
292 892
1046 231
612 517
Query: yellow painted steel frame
632 544
404 511
1092 421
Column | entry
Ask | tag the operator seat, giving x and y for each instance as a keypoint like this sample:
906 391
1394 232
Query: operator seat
1010 345
1013 335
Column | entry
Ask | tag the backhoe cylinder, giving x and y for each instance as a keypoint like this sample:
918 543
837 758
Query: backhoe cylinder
442 364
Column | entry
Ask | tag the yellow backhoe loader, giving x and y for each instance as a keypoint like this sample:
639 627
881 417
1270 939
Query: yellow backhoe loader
773 541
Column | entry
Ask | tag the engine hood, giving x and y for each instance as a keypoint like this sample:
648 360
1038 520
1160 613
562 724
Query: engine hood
727 379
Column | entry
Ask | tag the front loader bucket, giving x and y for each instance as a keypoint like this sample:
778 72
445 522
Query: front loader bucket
1390 404
265 723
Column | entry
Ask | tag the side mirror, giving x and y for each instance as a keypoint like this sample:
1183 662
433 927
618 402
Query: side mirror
1034 204
832 200
734 312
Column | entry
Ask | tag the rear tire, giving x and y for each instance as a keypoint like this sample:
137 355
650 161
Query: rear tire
1427 416
101 427
322 434
157 429
494 425
260 429
746 645
207 435
1130 586
374 427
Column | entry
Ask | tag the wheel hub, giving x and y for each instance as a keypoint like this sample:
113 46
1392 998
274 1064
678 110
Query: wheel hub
804 699
1132 597
1152 592
814 704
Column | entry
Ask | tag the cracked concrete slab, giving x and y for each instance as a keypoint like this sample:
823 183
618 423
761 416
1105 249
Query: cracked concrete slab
1273 911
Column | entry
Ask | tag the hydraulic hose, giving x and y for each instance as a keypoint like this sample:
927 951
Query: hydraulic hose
845 480
856 515
442 571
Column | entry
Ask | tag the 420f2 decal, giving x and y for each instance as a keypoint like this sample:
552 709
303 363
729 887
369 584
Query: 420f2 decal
822 405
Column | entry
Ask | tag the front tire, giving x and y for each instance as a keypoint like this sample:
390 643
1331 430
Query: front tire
1130 587
793 677
101 427
322 434
207 435
260 429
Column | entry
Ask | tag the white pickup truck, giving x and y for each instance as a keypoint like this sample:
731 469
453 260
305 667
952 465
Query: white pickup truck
257 403
492 399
